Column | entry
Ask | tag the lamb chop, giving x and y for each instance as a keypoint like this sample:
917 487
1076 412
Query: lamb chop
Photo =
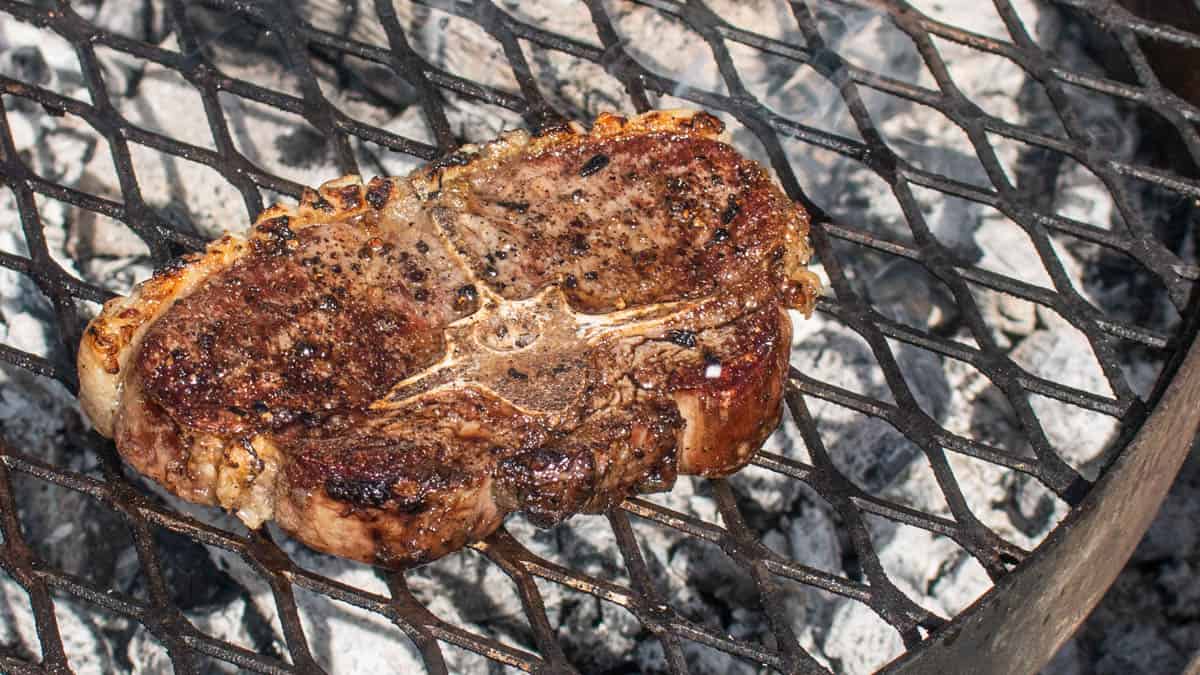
545 324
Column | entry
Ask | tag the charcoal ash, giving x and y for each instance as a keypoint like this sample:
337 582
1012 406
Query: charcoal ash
1148 620
225 598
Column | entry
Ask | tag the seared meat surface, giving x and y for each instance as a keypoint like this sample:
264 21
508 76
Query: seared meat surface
545 324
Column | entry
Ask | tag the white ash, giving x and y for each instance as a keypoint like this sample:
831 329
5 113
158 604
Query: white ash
225 598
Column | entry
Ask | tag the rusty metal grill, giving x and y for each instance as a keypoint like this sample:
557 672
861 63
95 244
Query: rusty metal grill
300 44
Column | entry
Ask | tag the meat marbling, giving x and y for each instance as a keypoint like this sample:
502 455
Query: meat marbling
544 323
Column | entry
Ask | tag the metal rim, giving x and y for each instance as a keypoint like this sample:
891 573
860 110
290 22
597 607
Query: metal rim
1019 624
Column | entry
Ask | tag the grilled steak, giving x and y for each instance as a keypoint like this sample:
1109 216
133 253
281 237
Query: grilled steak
545 323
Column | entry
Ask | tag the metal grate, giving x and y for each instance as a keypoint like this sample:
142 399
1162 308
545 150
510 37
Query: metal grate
301 45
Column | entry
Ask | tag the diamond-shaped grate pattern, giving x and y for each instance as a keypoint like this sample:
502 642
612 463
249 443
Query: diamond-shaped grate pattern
302 45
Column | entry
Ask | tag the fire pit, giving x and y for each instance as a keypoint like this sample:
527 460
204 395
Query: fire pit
984 412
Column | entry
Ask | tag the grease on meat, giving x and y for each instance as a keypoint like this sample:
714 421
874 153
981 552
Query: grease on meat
544 323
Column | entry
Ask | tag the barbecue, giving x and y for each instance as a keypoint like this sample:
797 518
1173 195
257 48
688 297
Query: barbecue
980 415
540 324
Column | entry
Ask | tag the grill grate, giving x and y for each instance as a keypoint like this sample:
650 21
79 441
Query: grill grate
302 45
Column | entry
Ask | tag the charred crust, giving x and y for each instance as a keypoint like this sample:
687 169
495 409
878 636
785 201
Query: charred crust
594 165
279 226
349 197
547 484
466 296
280 238
732 208
682 337
519 207
312 199
360 492
378 192
579 244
